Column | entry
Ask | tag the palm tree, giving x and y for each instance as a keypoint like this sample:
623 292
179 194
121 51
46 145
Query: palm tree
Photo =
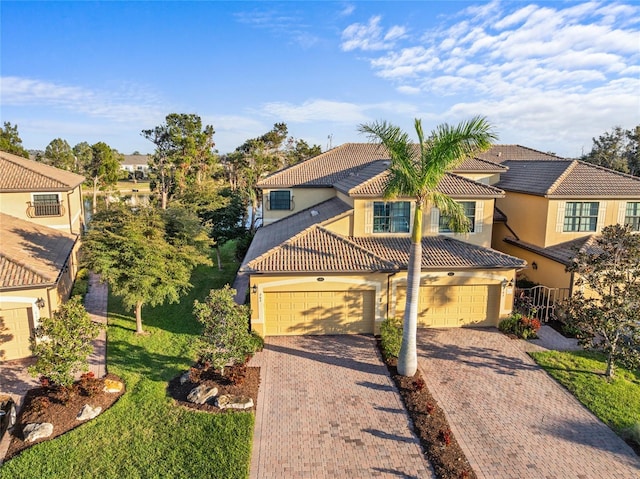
416 171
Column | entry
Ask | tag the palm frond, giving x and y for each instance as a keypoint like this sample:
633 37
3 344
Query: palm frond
454 211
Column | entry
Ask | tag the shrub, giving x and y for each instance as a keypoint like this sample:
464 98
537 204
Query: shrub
632 433
81 284
520 326
391 337
257 342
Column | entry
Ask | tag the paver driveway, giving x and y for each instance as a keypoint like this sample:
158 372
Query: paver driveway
327 408
511 419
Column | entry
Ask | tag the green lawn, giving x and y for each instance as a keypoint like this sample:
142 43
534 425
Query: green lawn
616 402
144 435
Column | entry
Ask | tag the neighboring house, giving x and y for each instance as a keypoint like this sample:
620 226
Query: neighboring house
332 256
553 207
41 217
136 165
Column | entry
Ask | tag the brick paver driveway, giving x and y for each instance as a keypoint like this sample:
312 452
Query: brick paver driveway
327 408
511 419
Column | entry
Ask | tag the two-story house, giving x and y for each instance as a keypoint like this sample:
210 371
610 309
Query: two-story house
332 256
552 207
41 218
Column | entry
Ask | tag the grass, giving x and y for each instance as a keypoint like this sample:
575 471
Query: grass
615 402
144 435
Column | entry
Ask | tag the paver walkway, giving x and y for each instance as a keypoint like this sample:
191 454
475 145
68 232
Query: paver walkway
511 419
327 408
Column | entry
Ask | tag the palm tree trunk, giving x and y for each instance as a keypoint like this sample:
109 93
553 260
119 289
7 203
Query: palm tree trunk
408 357
139 318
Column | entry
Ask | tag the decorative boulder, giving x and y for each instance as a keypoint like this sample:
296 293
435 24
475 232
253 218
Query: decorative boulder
88 412
201 394
34 431
185 377
230 401
111 386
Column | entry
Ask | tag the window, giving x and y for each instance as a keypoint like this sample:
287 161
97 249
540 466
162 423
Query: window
469 208
392 217
581 216
47 205
280 200
632 216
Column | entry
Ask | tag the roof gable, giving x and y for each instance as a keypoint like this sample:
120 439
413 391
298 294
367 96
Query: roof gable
501 153
21 174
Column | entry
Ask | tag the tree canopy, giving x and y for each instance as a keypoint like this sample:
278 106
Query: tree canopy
617 150
58 153
10 140
416 172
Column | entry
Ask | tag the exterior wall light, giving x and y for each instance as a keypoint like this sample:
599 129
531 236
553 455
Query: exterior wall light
254 288
40 303
534 265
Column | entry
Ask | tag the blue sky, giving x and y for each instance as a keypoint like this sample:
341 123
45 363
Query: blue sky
549 75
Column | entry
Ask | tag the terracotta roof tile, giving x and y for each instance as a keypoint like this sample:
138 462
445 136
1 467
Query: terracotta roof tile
562 253
20 174
479 165
500 153
567 179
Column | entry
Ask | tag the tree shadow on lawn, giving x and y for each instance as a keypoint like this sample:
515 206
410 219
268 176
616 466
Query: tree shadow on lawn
136 359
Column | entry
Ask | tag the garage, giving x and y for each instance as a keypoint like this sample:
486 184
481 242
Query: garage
319 312
454 305
16 325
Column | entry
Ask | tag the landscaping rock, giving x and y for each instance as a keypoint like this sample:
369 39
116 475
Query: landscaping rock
88 412
34 431
185 377
201 394
230 401
111 386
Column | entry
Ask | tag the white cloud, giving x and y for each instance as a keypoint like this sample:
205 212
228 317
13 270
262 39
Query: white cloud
347 10
370 36
316 110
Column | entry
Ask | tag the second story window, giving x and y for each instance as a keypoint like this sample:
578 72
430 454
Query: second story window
581 216
391 217
632 216
47 205
469 208
280 200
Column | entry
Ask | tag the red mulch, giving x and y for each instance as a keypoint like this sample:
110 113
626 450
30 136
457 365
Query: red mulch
49 404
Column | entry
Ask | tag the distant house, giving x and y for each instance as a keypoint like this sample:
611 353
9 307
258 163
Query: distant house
332 257
41 218
136 165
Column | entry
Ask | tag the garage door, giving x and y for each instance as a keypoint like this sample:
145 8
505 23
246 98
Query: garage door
15 330
319 312
453 306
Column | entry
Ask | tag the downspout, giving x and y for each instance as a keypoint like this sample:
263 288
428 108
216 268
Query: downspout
571 278
389 292
69 213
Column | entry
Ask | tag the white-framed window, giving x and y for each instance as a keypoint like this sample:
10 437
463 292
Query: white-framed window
391 216
280 200
46 204
469 208
632 215
581 216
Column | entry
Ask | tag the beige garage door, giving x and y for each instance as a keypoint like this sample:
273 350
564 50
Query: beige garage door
453 306
15 330
319 312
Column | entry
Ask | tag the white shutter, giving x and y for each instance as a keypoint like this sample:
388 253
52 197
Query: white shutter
562 205
622 212
435 220
368 217
602 210
479 219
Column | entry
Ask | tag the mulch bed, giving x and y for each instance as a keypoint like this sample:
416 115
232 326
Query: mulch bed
238 380
48 404
431 426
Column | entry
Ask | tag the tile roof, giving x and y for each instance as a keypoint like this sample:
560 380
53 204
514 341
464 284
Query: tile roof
440 252
330 167
500 153
371 181
134 160
498 215
31 254
562 253
20 174
319 250
278 232
567 179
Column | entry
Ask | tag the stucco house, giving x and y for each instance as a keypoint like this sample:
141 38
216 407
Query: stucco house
554 206
41 218
332 256
136 165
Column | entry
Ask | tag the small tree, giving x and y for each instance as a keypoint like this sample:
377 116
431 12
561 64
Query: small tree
606 309
62 344
225 338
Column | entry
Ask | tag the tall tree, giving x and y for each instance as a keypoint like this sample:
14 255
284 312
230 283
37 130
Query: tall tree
184 153
102 169
58 153
415 172
608 320
83 154
10 140
146 256
617 150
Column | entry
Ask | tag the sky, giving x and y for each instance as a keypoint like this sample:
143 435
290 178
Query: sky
550 75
